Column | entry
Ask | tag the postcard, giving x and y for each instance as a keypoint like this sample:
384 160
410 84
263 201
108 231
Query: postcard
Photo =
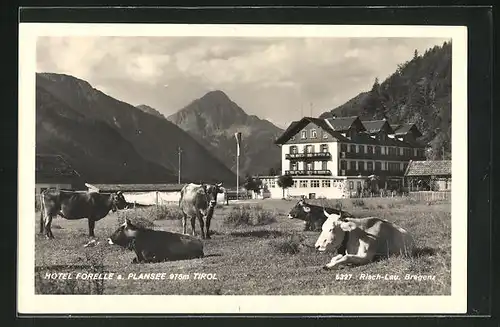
242 169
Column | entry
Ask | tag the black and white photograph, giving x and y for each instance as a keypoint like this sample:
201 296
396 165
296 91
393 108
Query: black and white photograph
268 167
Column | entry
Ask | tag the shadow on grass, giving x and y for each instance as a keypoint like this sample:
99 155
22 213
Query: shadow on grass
417 253
258 233
61 267
424 251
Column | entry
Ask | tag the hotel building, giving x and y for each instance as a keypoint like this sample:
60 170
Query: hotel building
333 157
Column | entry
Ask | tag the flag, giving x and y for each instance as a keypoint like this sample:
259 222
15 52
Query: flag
237 135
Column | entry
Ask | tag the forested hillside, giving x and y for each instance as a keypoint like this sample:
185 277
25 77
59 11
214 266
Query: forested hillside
419 91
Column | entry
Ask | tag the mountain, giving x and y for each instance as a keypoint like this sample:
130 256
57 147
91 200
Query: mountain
419 91
214 119
100 135
92 147
152 111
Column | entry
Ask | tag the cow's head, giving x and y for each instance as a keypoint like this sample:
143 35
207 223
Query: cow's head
212 191
118 201
333 232
300 210
124 235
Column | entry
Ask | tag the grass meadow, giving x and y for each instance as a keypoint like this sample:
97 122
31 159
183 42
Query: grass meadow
255 250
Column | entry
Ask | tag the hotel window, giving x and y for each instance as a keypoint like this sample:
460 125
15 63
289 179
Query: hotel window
325 135
292 138
303 135
369 149
325 183
324 165
295 184
352 148
293 149
351 185
361 165
361 148
414 152
308 149
369 166
385 165
309 166
377 150
313 133
352 165
272 183
324 147
314 183
303 183
343 147
293 165
343 164
378 166
401 151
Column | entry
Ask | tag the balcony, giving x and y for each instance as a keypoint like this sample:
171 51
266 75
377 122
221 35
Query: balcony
378 156
308 172
308 155
353 172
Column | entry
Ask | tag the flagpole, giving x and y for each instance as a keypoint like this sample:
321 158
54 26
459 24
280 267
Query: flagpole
237 135
237 176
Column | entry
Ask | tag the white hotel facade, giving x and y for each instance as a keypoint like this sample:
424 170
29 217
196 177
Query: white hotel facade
333 157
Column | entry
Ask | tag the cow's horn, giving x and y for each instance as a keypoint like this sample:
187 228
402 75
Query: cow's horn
326 213
119 192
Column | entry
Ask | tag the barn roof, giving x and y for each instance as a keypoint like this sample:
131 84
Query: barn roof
429 168
136 187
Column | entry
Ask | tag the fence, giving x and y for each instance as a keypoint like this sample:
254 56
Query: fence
430 196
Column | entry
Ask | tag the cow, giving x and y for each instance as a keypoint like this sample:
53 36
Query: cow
312 215
199 201
77 205
155 245
362 239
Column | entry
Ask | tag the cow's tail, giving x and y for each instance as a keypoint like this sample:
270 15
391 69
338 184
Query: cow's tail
42 210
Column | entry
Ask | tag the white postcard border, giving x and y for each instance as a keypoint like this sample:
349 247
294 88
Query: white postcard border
29 303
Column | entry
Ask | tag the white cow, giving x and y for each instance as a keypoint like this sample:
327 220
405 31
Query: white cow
361 239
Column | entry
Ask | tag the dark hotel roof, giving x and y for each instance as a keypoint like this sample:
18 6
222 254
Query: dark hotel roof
375 126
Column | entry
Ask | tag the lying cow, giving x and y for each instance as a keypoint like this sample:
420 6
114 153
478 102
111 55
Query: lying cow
362 239
312 215
199 201
77 205
156 246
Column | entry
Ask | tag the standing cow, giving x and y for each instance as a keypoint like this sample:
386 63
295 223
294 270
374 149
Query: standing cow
77 205
198 201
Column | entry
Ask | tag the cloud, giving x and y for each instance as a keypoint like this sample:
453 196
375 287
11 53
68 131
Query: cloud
276 78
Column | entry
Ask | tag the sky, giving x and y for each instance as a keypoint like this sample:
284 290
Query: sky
279 79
